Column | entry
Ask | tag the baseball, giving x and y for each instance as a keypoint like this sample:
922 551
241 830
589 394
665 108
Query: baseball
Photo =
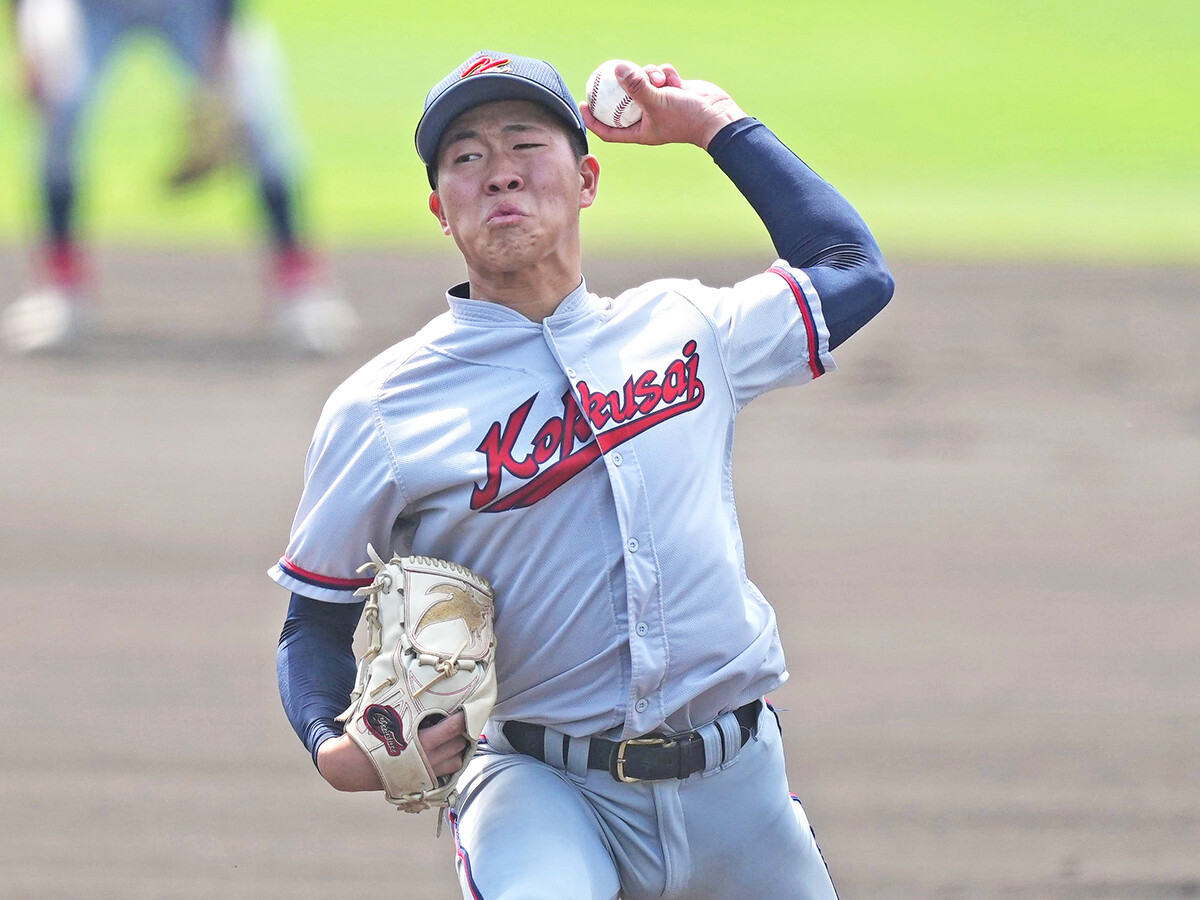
607 99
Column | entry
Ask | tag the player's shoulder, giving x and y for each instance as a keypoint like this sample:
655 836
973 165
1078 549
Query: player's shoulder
666 296
658 290
359 394
697 292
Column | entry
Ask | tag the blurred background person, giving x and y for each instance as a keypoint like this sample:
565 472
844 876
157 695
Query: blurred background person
238 116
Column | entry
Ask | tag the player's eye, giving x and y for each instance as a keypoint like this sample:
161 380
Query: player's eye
527 145
466 157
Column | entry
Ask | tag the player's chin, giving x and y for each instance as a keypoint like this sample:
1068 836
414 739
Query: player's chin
511 248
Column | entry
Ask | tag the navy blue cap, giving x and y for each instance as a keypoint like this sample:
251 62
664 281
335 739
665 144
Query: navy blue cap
488 76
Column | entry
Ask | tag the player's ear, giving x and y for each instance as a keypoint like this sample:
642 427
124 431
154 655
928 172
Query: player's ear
435 207
589 180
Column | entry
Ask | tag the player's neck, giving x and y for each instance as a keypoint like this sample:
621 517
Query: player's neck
535 293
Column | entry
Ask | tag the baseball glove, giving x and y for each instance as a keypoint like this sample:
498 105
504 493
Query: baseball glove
431 653
213 138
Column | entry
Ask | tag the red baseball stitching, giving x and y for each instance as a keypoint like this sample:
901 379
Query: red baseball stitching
621 106
593 89
593 93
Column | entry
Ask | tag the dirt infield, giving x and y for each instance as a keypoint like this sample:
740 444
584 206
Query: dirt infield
980 535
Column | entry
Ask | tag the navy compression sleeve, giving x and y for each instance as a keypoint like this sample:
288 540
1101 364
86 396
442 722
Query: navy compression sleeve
315 665
812 226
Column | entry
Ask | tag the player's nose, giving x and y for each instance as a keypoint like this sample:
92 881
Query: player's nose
503 180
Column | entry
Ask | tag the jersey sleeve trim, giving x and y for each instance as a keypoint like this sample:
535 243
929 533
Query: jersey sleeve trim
815 364
322 581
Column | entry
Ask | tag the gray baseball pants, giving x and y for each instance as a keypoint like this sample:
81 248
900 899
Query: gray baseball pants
526 829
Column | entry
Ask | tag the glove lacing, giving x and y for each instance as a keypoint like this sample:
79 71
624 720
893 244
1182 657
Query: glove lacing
446 666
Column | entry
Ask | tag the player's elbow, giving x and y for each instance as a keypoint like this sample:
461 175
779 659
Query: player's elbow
863 273
875 279
867 290
875 287
882 284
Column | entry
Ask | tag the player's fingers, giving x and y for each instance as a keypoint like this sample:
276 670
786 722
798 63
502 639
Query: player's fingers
656 75
672 75
433 735
448 757
591 122
444 743
635 81
607 132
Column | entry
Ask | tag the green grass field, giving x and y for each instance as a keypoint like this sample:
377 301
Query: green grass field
972 130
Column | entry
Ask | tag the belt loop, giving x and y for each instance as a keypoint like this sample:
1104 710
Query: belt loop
731 731
577 756
714 746
552 747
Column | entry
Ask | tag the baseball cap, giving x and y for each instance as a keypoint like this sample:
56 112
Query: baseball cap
486 76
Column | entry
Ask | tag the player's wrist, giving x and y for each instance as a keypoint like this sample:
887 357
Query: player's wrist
721 115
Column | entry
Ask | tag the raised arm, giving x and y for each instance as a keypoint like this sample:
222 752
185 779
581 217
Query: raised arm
812 226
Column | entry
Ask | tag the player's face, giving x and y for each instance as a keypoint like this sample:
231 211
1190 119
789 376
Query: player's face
510 187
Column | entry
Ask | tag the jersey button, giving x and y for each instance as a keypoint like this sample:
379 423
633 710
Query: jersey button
632 545
642 705
641 629
616 458
570 372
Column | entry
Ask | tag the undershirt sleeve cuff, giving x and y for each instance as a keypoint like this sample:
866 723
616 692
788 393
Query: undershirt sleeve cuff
726 135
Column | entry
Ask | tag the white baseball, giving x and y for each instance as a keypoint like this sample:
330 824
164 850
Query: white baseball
607 99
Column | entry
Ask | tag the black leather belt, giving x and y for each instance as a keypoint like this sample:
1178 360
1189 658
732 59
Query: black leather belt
651 758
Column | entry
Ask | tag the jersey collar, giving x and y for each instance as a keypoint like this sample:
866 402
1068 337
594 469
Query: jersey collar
468 310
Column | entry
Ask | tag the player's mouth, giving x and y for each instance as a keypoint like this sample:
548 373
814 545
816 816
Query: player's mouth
505 214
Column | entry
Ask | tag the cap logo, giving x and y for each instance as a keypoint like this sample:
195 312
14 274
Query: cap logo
487 64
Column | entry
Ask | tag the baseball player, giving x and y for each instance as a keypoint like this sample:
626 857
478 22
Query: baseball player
576 450
64 47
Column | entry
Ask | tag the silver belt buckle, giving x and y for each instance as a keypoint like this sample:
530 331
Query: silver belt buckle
619 764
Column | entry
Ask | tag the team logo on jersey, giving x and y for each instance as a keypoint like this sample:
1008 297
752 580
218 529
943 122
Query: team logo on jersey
487 64
592 423
384 723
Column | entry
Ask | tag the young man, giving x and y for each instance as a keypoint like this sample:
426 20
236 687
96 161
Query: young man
575 450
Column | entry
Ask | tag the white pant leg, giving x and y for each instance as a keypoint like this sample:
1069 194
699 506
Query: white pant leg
530 831
746 835
524 832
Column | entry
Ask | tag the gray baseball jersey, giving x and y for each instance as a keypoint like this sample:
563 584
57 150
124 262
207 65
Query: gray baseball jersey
582 464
